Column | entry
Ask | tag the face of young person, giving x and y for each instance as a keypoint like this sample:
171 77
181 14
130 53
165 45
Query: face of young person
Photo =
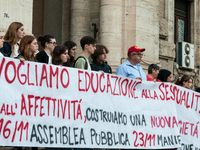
72 52
20 33
33 47
51 45
189 84
136 57
1 40
90 48
169 78
64 57
102 58
155 73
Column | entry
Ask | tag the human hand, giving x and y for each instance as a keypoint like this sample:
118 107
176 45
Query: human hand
22 59
138 78
101 71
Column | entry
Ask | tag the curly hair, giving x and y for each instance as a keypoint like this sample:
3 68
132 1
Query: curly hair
99 51
58 50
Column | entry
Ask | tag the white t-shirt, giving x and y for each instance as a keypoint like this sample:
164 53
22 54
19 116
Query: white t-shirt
16 48
50 59
135 67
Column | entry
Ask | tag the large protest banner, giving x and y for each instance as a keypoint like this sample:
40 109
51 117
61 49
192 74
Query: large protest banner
50 106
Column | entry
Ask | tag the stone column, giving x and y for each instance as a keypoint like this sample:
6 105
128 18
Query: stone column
195 39
80 21
147 30
66 20
38 17
53 19
195 29
111 30
129 27
166 34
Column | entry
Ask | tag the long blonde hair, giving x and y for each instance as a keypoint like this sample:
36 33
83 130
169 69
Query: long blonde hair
24 47
11 36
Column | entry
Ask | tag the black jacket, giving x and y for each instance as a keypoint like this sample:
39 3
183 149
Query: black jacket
104 67
42 57
6 50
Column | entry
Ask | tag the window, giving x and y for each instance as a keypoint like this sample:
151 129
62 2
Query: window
182 21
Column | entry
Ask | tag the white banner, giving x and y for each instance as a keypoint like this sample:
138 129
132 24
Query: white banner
50 106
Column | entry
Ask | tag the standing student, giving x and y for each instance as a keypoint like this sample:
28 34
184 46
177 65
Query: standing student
184 81
72 53
165 75
99 62
88 45
27 48
153 71
60 55
131 67
48 42
12 38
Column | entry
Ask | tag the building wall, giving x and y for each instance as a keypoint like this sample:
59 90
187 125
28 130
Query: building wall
195 38
52 24
38 17
166 34
16 11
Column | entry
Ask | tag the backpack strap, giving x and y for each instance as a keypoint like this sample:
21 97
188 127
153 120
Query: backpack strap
86 64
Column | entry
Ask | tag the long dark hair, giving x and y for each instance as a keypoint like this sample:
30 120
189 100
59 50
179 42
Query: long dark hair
58 50
44 39
11 34
163 75
180 80
23 47
70 45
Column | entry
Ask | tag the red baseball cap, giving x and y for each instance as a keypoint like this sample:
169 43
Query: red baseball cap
135 49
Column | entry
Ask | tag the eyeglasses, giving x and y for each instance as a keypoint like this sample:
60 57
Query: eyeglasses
54 43
139 54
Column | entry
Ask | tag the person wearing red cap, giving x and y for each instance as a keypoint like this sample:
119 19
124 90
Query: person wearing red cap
131 67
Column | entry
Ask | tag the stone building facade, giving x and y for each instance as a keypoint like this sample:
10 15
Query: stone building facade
118 24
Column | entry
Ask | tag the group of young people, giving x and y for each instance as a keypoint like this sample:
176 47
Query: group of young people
16 44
